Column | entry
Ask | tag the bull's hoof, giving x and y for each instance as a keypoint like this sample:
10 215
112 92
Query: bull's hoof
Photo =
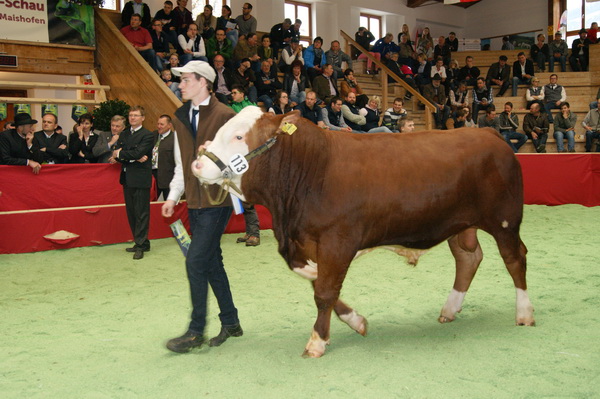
529 323
444 319
315 346
362 329
311 354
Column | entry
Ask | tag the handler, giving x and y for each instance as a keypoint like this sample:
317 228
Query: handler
204 261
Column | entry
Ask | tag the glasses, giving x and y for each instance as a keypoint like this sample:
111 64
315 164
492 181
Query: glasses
245 8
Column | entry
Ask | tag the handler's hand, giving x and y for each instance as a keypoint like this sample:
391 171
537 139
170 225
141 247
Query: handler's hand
168 208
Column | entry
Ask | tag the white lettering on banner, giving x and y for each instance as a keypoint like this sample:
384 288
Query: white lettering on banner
24 20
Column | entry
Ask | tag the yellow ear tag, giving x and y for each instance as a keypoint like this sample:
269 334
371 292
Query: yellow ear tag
289 128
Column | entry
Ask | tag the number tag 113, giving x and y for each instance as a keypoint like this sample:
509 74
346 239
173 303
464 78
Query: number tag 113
238 164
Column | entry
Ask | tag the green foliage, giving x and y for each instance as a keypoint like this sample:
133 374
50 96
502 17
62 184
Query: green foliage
104 113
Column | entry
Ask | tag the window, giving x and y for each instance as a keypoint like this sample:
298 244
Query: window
580 14
372 23
112 5
198 7
295 10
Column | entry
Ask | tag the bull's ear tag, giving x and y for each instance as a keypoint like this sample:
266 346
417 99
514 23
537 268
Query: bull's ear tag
238 164
289 128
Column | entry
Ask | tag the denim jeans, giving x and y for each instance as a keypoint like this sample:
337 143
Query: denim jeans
150 57
511 134
540 60
559 136
541 140
517 80
563 63
204 264
266 100
185 58
548 107
589 137
298 98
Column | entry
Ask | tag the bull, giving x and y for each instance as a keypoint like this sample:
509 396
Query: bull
334 196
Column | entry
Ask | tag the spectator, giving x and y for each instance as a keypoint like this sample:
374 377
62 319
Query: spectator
535 93
483 98
207 22
457 119
140 39
267 83
422 73
522 72
166 16
469 118
239 100
452 42
435 93
392 115
107 141
324 85
558 52
314 59
247 48
191 46
439 68
281 35
160 44
385 45
459 98
335 56
535 126
295 84
406 31
490 120
424 42
163 159
469 72
452 75
290 54
182 17
136 7
223 80
499 75
309 110
564 127
592 33
167 77
580 52
296 29
349 84
591 124
364 38
266 52
373 116
554 96
406 126
594 104
442 50
246 22
332 116
281 103
229 25
244 76
406 54
51 147
509 123
395 67
83 140
540 53
220 45
506 44
174 63
16 144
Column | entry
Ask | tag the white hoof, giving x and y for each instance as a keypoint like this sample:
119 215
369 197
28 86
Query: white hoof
356 322
315 346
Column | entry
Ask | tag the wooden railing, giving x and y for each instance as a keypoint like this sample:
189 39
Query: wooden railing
385 71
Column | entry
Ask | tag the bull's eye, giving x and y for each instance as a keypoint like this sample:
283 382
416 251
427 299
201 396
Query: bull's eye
238 137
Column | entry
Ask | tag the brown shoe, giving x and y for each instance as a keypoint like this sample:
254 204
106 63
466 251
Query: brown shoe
242 239
252 241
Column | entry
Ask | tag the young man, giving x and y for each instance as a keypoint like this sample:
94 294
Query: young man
490 120
406 126
554 96
332 116
52 147
522 72
482 98
509 123
564 127
140 39
591 124
204 262
392 115
499 75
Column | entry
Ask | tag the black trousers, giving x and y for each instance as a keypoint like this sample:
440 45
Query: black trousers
137 205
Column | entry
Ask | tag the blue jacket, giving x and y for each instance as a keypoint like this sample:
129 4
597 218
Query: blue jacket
309 57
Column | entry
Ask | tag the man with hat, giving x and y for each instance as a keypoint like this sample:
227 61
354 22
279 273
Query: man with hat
435 93
558 52
204 262
16 145
580 52
289 54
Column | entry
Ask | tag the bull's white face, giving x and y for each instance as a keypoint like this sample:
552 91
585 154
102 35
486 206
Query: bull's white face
229 141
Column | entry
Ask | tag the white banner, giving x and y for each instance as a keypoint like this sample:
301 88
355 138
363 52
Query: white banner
24 20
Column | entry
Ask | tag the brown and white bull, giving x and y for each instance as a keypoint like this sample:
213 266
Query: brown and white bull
334 196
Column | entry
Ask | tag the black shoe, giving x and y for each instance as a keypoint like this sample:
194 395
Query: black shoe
226 332
541 148
135 248
186 342
139 254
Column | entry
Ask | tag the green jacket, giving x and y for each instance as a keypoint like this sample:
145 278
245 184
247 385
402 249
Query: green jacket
237 107
211 49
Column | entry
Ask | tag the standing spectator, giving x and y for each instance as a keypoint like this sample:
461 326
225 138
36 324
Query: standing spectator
469 72
219 45
207 22
281 35
591 124
540 53
564 127
452 42
136 7
16 144
191 45
182 17
392 115
435 93
522 72
107 141
592 33
295 84
424 41
335 56
246 22
166 16
267 83
52 147
580 52
350 84
554 96
160 44
506 44
499 75
558 52
281 103
314 59
82 141
509 123
229 25
442 50
535 126
483 98
332 116
364 38
534 93
290 54
140 39
163 157
296 29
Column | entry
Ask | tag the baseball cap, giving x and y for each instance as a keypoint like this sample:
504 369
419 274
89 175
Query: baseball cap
202 68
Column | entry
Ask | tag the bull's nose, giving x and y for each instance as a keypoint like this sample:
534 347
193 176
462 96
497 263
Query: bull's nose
197 165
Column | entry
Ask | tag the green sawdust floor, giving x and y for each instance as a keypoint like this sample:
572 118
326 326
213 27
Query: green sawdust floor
92 323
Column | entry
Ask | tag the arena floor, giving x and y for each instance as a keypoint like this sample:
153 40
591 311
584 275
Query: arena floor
92 323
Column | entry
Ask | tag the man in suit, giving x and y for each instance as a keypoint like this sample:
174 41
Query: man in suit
16 145
107 141
163 159
52 146
499 74
204 261
134 153
522 72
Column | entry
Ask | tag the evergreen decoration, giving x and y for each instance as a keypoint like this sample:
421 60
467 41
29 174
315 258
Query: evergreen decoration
107 109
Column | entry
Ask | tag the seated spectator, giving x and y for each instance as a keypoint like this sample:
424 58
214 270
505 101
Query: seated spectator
136 7
281 35
490 120
182 17
246 22
165 15
535 126
220 45
592 33
364 38
452 42
207 22
580 52
394 66
295 84
558 52
499 75
52 147
173 63
351 113
428 51
140 39
392 115
107 141
349 84
406 126
223 80
160 44
406 54
372 116
267 84
266 52
229 25
309 110
591 124
314 59
281 103
469 122
522 72
452 75
291 54
239 100
335 56
469 73
540 53
506 44
424 42
535 93
594 104
167 77
435 93
483 98
324 85
554 96
385 45
332 116
509 123
191 46
457 119
16 144
422 73
439 68
564 127
83 140
244 76
247 48
459 98
442 50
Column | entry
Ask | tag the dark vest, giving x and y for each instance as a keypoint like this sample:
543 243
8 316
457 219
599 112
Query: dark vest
552 95
353 125
334 117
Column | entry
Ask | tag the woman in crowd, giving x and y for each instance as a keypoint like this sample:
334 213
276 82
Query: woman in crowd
424 42
295 84
405 31
540 53
281 103
349 84
228 24
372 115
82 140
364 38
207 22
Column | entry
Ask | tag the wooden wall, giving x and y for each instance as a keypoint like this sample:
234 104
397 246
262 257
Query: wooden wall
129 76
56 59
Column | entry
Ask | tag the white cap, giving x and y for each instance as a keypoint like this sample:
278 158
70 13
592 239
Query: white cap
202 68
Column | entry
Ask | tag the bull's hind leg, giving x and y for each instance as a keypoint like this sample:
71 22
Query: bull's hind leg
468 255
349 316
